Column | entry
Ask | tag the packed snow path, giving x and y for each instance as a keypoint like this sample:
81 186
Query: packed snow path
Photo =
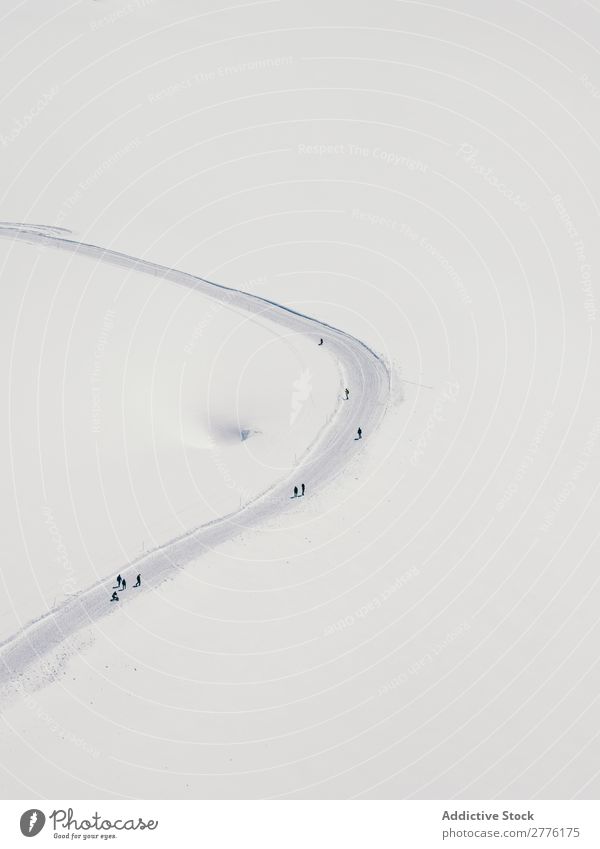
361 369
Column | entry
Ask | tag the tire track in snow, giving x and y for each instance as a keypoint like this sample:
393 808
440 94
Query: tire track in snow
323 461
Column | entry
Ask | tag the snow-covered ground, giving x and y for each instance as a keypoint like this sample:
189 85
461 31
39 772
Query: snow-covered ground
217 415
422 177
173 410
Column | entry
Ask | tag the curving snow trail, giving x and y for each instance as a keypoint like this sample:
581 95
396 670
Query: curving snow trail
325 459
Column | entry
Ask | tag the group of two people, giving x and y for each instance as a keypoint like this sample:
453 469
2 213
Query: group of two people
122 585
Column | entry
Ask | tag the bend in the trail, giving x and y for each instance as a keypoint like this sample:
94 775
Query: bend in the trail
323 461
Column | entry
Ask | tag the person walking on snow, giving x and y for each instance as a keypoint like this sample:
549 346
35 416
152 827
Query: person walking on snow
359 433
138 582
295 492
119 579
321 342
123 584
114 597
303 487
347 394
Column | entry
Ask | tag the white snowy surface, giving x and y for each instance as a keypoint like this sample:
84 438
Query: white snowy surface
148 410
316 458
423 177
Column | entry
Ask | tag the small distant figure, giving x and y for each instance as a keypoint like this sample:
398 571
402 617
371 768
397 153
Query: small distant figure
123 584
321 342
114 596
303 488
359 431
295 492
119 579
138 581
347 394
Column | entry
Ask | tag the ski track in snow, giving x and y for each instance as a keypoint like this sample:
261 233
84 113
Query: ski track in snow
363 371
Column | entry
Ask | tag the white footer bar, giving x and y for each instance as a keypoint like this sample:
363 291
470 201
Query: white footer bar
303 824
